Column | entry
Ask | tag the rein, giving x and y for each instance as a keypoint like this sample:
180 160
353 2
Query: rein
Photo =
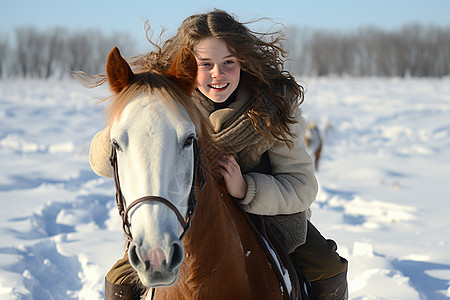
185 222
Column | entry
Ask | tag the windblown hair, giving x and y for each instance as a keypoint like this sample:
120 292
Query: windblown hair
261 63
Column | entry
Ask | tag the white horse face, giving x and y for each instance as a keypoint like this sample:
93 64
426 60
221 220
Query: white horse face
155 158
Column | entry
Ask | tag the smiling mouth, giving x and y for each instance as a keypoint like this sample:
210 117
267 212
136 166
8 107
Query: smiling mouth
218 87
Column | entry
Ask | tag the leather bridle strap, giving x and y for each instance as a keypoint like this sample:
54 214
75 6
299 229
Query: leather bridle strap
157 199
199 178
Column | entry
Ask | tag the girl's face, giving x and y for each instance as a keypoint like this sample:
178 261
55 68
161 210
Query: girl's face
218 69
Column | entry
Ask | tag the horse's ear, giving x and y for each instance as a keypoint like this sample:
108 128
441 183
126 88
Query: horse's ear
184 70
118 72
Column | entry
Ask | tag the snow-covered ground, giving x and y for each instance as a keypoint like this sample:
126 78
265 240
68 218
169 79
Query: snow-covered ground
384 184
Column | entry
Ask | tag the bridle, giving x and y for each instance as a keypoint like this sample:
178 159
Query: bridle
199 180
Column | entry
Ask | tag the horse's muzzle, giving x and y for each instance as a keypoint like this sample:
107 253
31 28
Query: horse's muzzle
157 266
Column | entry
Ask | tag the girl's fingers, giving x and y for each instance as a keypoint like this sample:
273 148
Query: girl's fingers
228 162
231 173
224 173
231 159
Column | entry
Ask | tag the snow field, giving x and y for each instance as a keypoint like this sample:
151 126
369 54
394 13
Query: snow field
383 187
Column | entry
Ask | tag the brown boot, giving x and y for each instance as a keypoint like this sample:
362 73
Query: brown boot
334 288
120 291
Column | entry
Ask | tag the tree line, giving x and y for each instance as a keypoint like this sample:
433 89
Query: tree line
57 52
412 50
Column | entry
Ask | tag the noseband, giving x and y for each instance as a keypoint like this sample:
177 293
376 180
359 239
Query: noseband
198 179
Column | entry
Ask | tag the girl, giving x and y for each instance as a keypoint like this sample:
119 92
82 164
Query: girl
252 104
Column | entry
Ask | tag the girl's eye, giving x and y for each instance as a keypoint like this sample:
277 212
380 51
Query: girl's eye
230 64
205 65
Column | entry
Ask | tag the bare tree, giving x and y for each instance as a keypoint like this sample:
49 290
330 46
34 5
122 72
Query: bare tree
88 50
32 52
79 50
4 53
55 51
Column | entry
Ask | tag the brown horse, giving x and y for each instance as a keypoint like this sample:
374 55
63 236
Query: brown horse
154 128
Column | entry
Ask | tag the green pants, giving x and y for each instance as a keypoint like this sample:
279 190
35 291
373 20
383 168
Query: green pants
317 258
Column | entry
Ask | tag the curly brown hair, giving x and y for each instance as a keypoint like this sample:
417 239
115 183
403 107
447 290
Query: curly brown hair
261 57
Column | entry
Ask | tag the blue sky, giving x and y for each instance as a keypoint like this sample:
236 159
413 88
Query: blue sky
128 16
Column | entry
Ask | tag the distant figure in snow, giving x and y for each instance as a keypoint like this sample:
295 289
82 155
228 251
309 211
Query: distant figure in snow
313 141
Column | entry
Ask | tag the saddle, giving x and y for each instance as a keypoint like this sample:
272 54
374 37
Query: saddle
279 259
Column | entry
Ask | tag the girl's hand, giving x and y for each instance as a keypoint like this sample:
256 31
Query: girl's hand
231 172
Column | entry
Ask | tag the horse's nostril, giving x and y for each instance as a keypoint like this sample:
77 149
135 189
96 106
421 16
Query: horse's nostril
147 265
177 256
132 256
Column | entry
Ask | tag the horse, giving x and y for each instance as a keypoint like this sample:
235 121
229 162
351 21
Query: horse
156 134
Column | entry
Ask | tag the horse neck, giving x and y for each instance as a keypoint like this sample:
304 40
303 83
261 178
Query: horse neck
213 247
213 221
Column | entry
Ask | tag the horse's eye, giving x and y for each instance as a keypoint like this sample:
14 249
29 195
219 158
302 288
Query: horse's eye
116 145
190 139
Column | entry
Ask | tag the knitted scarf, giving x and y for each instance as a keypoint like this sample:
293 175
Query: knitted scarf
233 129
